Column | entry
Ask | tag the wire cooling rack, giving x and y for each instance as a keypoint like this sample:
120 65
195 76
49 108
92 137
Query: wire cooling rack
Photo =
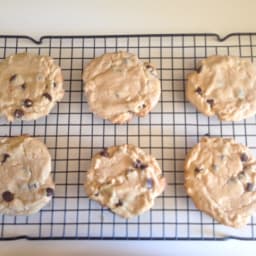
73 134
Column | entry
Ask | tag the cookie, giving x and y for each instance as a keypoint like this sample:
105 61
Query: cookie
220 177
30 86
119 86
125 179
25 181
224 86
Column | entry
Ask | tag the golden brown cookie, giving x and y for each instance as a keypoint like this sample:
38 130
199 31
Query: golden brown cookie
220 177
25 181
125 179
119 86
30 86
224 86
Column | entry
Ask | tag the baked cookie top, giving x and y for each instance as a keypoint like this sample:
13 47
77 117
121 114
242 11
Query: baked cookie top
119 86
220 177
224 86
125 179
25 181
30 86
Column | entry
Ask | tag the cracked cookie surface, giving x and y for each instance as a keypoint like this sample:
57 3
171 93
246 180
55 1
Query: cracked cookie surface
224 86
30 86
25 181
119 86
220 177
125 179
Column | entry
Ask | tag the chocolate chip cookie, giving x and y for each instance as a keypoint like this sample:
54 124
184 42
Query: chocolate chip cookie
224 86
125 179
30 86
25 181
119 86
220 177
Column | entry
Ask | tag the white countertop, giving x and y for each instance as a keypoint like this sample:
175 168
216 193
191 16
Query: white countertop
126 17
36 18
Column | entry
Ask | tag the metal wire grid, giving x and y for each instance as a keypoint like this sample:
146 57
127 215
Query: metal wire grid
73 134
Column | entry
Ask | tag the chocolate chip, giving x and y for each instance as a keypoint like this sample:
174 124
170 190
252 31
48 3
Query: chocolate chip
149 183
104 152
210 102
5 156
139 165
149 66
198 170
151 69
199 90
120 203
7 196
12 78
54 84
48 96
28 103
199 69
23 86
143 166
49 191
96 194
249 187
143 105
18 113
244 157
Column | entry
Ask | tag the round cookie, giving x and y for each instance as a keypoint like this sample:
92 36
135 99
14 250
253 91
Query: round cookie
30 86
119 86
25 181
224 86
220 177
125 179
